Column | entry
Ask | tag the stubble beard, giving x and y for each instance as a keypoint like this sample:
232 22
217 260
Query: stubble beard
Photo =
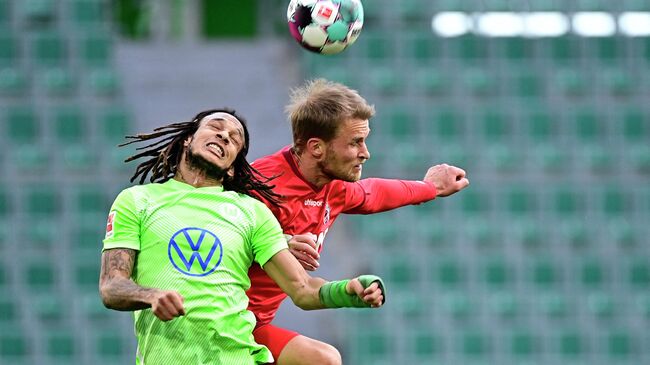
197 162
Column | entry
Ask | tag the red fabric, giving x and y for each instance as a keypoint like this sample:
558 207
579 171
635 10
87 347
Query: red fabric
308 209
275 338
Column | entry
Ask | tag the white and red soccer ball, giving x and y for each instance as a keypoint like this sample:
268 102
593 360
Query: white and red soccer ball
325 26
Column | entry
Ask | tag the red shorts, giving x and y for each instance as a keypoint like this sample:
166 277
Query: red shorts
275 338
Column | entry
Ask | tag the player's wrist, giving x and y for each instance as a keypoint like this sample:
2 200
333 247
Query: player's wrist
340 294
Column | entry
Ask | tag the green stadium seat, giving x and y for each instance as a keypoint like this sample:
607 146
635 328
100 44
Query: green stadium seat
447 124
552 159
21 125
497 273
570 83
400 271
599 159
41 233
13 82
47 309
618 83
9 313
635 125
86 276
410 10
474 202
576 235
504 306
520 201
115 123
484 235
58 82
424 343
400 123
615 202
108 347
554 306
373 344
572 344
523 344
639 273
380 229
601 305
70 125
479 83
96 50
568 202
92 308
449 272
49 49
104 82
62 346
468 48
456 306
9 50
495 126
378 45
88 14
78 157
14 347
90 199
641 159
422 47
42 200
30 158
588 125
38 10
563 50
529 235
545 273
475 344
515 49
528 85
385 81
620 344
4 12
541 125
624 235
39 276
6 207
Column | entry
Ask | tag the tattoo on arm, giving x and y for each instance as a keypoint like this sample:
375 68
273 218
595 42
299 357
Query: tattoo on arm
117 289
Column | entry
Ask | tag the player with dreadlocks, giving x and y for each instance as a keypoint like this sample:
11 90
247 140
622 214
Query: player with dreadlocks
177 250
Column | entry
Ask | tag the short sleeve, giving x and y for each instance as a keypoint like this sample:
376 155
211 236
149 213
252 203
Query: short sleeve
123 225
267 238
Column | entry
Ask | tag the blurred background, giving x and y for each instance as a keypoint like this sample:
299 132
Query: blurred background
544 259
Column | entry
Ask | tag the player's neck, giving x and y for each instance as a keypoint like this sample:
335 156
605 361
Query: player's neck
311 170
194 177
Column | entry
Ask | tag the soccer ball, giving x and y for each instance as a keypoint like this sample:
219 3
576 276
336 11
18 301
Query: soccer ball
325 26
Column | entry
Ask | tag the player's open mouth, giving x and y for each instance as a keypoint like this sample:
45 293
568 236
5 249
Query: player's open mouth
217 149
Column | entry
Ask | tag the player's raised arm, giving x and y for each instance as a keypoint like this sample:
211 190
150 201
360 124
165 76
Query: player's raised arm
119 292
315 293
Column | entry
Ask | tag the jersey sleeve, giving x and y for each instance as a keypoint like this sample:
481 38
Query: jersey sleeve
123 225
267 239
374 195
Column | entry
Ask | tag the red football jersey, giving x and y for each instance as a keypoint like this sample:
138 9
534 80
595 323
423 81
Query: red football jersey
307 209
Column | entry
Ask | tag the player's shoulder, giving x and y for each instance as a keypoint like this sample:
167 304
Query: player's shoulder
274 161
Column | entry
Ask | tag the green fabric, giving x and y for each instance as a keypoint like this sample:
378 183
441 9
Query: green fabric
199 242
334 295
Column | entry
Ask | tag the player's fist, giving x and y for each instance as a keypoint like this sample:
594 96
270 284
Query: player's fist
447 179
369 288
167 305
305 248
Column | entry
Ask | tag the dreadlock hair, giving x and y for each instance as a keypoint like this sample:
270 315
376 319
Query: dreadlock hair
164 155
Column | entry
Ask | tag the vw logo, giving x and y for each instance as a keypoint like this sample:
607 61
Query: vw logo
195 251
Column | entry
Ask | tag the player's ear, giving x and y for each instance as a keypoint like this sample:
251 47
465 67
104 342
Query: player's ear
231 171
187 141
316 147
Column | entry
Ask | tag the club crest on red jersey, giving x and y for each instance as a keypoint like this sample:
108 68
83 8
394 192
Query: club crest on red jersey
326 218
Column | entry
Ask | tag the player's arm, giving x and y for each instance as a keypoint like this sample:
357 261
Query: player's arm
310 293
374 195
120 292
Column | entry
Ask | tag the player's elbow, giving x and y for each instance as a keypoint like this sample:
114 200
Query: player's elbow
107 298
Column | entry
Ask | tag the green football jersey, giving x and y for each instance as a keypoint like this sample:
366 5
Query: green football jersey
199 242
